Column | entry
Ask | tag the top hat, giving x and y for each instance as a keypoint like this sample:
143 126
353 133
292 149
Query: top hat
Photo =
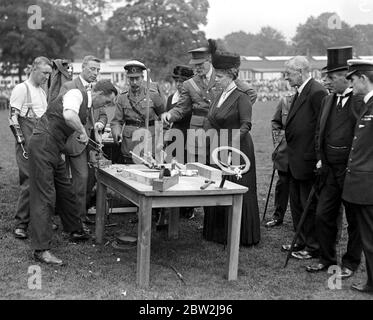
182 72
355 65
225 60
134 68
337 58
199 55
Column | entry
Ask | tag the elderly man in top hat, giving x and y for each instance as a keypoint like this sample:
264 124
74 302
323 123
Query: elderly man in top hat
358 191
130 109
334 134
195 99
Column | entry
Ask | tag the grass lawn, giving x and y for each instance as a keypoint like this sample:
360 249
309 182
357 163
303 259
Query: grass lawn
101 272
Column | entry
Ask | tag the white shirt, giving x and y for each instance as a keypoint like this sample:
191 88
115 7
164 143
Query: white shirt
74 98
18 99
226 93
368 96
344 99
300 89
175 97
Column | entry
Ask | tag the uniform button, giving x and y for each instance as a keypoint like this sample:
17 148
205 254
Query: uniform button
352 149
355 138
350 159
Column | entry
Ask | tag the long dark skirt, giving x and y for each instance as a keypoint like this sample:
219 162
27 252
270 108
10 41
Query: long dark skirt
216 218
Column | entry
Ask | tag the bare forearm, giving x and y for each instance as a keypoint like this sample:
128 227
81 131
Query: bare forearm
73 121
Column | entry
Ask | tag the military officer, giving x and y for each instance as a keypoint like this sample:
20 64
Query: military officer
195 99
358 191
130 109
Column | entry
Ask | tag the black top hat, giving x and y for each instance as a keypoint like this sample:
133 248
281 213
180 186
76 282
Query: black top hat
358 65
182 72
225 60
337 58
134 68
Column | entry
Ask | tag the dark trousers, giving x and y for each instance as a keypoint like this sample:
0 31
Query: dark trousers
281 195
364 216
327 214
22 216
49 188
79 178
299 192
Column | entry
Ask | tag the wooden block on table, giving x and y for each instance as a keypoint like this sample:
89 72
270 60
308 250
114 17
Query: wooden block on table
205 171
138 176
165 183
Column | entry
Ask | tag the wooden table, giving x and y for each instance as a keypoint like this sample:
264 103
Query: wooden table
186 193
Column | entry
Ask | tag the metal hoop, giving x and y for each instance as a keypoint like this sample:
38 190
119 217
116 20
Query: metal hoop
230 169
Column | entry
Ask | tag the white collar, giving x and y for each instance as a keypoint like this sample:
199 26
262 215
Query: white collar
85 83
300 89
208 74
346 92
368 96
230 88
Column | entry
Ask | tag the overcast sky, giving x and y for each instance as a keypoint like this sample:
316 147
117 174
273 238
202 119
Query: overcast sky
226 16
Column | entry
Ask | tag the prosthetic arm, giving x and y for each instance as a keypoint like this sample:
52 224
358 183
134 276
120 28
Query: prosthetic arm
16 129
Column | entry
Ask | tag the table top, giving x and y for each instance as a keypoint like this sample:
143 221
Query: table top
187 186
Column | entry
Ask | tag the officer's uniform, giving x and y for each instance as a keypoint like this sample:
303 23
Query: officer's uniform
196 97
358 182
130 111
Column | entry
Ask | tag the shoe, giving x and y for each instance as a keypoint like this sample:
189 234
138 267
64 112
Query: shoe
273 223
301 255
86 228
20 233
79 236
317 268
89 221
46 256
346 273
286 247
363 288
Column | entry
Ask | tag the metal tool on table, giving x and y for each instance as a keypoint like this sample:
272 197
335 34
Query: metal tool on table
207 184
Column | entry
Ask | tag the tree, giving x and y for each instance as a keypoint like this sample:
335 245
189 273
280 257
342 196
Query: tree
363 35
158 32
318 34
21 44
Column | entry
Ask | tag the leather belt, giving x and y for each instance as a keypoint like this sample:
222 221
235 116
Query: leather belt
337 148
200 112
139 123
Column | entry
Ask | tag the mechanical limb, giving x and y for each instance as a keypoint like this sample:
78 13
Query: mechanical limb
16 129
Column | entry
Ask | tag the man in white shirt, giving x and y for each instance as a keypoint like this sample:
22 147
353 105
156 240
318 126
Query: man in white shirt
358 190
28 102
49 184
96 121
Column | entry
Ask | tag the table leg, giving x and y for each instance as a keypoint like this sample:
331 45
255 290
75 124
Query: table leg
143 241
173 223
234 229
100 211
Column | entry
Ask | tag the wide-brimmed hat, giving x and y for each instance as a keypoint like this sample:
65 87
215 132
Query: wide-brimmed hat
337 58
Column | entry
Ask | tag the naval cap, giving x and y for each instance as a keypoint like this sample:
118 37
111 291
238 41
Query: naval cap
355 65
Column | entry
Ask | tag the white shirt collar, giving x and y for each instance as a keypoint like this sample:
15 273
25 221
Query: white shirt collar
347 91
85 83
230 88
368 96
300 89
208 75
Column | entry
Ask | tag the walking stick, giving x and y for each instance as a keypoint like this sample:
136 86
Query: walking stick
269 193
301 221
270 185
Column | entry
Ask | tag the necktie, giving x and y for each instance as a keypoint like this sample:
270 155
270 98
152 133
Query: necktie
340 100
88 87
205 81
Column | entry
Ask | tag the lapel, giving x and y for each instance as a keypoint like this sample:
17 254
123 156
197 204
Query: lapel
300 101
366 107
227 105
325 112
212 80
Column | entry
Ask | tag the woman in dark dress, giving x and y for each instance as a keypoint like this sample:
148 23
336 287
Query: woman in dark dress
232 109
